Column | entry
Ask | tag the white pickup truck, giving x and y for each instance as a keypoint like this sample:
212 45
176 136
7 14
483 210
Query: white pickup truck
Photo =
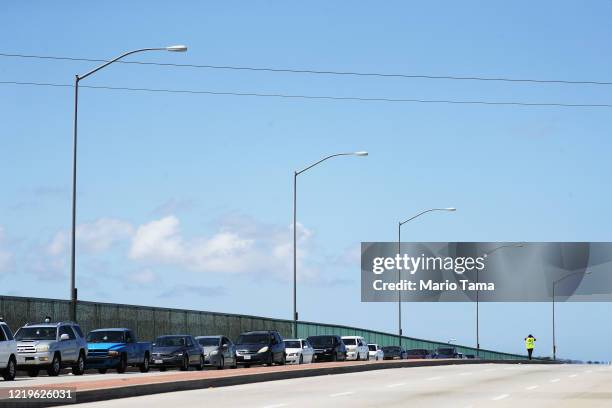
8 352
356 348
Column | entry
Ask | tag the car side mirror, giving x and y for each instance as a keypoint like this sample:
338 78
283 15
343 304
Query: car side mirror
64 337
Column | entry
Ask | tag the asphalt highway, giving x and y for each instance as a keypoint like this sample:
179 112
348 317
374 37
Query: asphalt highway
463 386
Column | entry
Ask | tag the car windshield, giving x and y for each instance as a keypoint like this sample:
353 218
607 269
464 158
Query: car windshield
255 338
322 341
292 344
105 337
349 342
372 347
36 333
169 341
417 352
391 348
209 341
446 351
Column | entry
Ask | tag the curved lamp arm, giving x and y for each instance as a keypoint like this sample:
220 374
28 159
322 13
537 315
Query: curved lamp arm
425 212
173 48
519 245
329 157
570 274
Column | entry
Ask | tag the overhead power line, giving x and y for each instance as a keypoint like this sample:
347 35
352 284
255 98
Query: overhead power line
321 72
318 97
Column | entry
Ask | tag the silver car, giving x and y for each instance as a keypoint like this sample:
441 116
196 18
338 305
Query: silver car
219 351
51 346
8 353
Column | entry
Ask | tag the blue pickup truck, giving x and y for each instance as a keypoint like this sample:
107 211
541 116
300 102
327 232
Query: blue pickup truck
118 349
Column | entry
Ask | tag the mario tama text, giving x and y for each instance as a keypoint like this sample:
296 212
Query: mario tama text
430 285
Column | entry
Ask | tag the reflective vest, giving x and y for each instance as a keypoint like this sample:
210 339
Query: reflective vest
530 343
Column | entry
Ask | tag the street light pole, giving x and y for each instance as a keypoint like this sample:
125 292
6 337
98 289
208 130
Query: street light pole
73 289
553 308
399 273
486 254
295 175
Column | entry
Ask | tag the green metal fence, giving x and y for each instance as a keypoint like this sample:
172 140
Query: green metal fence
150 322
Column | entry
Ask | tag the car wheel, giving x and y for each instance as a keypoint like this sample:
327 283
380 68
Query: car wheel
79 367
122 367
33 372
185 363
301 359
145 366
221 363
162 368
11 370
283 359
235 365
200 366
358 358
247 365
335 357
102 370
56 366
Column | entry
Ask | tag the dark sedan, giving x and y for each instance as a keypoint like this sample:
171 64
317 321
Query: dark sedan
418 354
393 352
330 348
182 351
260 347
447 352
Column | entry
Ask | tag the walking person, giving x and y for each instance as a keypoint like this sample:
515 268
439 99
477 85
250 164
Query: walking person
530 344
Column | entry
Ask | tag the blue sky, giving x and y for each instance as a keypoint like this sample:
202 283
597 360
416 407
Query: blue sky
185 200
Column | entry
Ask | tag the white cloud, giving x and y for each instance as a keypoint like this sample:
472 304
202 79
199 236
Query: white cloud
240 246
93 237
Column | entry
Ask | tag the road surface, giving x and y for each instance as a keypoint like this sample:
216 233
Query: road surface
485 385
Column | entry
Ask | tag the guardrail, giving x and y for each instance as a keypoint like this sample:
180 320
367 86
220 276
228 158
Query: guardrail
149 322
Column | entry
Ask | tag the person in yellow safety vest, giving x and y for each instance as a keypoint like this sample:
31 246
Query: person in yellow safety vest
530 344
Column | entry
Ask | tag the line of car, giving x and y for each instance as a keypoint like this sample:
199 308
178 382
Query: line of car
54 346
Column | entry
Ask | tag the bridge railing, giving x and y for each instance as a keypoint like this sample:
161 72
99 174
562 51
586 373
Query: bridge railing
149 322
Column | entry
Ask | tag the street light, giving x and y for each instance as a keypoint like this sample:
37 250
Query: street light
78 78
553 308
486 254
295 174
399 250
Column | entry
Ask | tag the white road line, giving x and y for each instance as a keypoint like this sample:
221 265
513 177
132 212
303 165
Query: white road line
532 387
341 394
276 405
554 380
433 378
395 385
573 375
588 371
466 373
488 370
500 397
